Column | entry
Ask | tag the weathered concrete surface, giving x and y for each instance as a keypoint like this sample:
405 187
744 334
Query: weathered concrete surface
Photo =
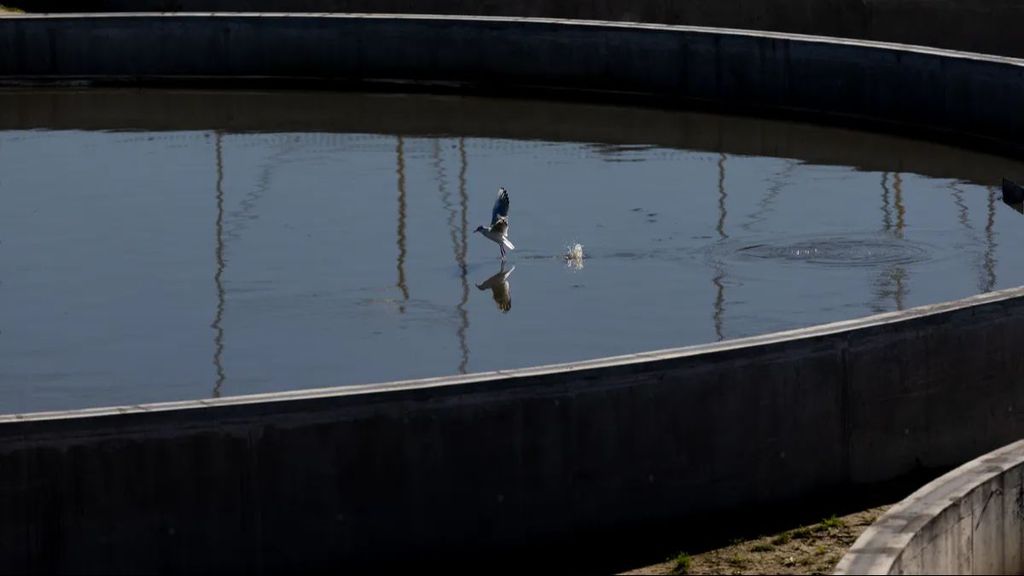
345 477
969 521
966 98
989 26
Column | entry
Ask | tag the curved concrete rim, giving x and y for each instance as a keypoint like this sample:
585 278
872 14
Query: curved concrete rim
548 369
880 546
554 21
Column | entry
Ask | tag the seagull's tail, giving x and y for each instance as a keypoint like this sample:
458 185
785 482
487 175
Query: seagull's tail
507 244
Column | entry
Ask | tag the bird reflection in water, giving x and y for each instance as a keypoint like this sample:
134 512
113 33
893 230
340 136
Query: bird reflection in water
498 285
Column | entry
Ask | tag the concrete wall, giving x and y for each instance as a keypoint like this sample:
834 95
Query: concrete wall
990 26
409 472
969 100
969 521
406 472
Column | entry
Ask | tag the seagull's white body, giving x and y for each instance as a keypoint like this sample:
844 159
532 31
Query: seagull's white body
500 236
498 230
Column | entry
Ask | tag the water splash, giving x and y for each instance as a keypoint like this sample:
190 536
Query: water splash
574 256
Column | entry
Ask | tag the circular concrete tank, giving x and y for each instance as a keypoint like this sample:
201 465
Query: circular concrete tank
345 476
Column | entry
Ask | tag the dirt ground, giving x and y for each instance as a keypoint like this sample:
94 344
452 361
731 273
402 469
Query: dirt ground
813 549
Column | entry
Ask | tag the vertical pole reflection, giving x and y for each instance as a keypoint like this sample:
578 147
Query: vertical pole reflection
986 267
458 248
901 210
400 170
721 197
891 281
899 274
886 208
461 257
766 205
989 262
964 217
718 313
218 276
963 214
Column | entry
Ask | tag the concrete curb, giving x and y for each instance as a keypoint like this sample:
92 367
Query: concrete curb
990 27
968 521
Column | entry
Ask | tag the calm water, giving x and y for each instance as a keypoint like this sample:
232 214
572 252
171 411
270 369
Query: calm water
141 265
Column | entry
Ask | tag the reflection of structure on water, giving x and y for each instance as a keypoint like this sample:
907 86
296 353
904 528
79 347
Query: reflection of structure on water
891 281
400 235
718 278
218 277
890 286
457 230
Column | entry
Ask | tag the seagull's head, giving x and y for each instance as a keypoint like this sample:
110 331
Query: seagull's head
480 229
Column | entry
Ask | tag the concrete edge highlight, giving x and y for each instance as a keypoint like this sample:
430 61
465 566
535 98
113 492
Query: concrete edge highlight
968 521
924 49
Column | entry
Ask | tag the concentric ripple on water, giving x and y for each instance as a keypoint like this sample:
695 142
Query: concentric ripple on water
860 252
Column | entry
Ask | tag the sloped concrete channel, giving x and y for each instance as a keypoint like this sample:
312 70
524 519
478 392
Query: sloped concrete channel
400 472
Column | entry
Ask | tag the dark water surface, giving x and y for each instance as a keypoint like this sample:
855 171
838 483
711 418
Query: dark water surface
172 245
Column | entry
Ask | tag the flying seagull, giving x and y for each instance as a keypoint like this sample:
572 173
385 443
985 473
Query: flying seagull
498 230
498 285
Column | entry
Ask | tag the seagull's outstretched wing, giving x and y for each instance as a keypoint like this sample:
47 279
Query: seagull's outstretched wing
500 206
500 226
